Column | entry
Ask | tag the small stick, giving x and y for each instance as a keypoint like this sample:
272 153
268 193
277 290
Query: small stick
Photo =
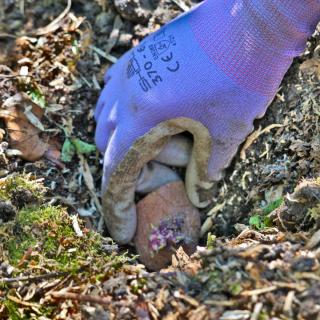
256 292
33 278
80 297
24 303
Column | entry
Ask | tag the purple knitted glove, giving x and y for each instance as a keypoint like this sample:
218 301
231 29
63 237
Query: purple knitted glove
210 72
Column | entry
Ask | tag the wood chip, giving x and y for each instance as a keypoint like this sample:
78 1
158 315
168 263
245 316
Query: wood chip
76 227
287 307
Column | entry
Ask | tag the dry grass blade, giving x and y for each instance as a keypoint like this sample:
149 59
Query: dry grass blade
114 34
254 136
256 292
24 303
101 53
89 182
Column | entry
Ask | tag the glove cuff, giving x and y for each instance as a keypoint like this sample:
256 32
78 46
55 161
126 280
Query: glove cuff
255 41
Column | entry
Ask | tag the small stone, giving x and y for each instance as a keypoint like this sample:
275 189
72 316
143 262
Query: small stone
104 21
138 11
166 221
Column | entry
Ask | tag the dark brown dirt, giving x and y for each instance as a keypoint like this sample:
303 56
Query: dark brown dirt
7 211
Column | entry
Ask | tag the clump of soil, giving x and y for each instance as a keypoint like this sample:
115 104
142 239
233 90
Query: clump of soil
7 211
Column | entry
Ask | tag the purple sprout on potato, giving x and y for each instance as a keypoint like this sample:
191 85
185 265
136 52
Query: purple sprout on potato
167 233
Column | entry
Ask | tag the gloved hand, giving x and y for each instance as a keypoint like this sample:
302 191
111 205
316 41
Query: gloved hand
209 72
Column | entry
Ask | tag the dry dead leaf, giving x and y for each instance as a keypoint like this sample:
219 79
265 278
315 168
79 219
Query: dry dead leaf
53 153
24 136
2 133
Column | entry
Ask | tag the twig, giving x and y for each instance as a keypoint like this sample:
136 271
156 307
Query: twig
54 25
8 35
81 297
256 292
24 303
11 76
221 303
293 285
33 278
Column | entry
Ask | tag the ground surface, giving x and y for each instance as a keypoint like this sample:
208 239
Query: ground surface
263 262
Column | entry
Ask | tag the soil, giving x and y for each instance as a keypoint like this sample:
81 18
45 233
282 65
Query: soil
7 211
242 273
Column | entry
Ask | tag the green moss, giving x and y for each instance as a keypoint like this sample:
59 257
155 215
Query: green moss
21 181
315 212
235 288
263 316
12 310
49 231
18 247
42 238
211 241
